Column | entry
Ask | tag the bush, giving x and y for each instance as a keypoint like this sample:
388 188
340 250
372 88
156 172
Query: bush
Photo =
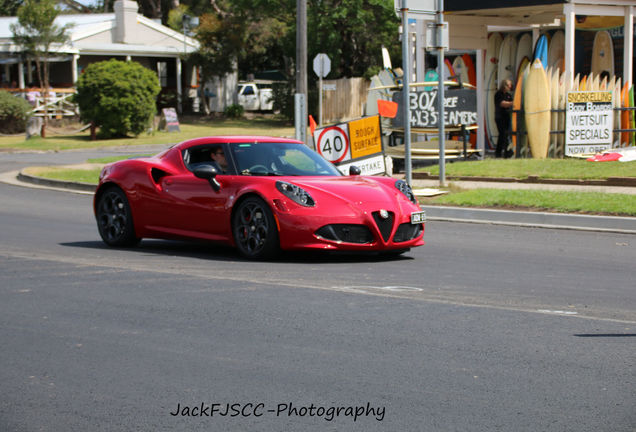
234 111
14 113
118 97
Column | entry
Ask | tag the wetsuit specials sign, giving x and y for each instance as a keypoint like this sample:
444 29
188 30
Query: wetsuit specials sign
588 122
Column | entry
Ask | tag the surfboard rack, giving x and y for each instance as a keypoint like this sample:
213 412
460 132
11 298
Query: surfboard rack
429 150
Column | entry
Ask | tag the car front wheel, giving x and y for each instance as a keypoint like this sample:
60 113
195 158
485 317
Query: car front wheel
254 229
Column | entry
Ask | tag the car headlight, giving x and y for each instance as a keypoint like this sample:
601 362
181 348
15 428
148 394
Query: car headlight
296 193
404 187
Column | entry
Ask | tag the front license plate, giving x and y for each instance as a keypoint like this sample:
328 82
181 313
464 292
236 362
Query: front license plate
418 217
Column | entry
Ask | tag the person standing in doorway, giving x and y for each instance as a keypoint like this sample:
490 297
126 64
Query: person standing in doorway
503 108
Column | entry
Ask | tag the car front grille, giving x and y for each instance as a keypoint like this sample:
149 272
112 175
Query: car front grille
348 233
384 225
406 232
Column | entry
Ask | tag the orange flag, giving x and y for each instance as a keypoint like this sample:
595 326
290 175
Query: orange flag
387 108
312 124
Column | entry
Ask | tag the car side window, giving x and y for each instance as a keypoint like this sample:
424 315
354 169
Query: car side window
213 155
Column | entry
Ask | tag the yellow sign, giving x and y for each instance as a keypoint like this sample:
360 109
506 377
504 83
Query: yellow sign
590 96
365 137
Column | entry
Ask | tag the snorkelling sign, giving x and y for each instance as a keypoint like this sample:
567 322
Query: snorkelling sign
358 142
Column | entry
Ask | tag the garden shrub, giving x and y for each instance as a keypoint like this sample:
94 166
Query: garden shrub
14 113
118 97
234 111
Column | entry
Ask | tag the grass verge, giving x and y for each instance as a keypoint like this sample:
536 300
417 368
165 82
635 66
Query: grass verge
541 200
545 168
195 128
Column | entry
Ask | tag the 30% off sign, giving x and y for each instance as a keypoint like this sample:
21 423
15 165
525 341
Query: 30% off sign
333 143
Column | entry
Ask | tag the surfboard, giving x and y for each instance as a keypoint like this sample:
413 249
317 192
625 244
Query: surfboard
576 85
386 58
632 124
622 155
448 70
564 86
554 106
536 104
595 84
470 69
541 51
556 51
583 83
490 84
625 124
524 50
616 103
603 53
525 62
430 76
507 57
460 69
518 129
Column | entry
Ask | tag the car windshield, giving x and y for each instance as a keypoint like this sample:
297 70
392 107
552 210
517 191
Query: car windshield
280 159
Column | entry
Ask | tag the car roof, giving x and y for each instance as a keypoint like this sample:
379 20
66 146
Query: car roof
234 139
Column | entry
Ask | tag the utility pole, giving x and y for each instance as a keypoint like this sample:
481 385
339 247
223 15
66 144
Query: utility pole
300 98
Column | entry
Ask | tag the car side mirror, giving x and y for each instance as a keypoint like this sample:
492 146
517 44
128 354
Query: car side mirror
354 170
208 172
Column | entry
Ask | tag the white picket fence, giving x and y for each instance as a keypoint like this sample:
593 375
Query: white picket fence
58 102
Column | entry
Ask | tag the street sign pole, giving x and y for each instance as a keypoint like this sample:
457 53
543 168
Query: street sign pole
320 90
322 67
406 66
440 92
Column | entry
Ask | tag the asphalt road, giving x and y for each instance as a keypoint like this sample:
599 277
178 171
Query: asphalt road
486 328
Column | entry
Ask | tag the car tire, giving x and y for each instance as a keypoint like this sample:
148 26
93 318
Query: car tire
254 229
114 218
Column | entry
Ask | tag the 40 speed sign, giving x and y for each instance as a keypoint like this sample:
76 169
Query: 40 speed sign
333 143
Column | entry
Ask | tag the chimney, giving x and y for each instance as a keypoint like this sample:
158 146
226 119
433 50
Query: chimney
125 20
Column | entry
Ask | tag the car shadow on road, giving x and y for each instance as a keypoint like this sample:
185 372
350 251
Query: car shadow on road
213 251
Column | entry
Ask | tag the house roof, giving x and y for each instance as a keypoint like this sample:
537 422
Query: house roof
95 34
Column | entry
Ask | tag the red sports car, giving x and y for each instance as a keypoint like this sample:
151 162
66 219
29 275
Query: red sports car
260 194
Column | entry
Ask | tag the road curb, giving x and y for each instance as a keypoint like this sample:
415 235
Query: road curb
610 181
618 224
73 186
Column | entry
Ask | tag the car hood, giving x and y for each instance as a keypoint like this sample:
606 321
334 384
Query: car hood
350 190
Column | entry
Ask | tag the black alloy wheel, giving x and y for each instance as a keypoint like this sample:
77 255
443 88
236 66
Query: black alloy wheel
114 218
254 229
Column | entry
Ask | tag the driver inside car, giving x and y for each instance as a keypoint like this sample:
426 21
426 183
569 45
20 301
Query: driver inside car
218 157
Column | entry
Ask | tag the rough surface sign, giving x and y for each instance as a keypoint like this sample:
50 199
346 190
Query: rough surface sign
588 122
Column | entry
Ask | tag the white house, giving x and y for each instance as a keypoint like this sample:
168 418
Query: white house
124 35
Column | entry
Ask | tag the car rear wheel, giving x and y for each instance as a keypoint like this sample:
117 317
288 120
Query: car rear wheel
114 218
254 229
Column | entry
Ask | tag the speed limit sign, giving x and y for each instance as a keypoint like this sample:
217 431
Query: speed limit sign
333 143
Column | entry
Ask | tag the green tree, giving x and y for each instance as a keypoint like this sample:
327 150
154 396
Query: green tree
118 97
352 33
9 7
36 33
